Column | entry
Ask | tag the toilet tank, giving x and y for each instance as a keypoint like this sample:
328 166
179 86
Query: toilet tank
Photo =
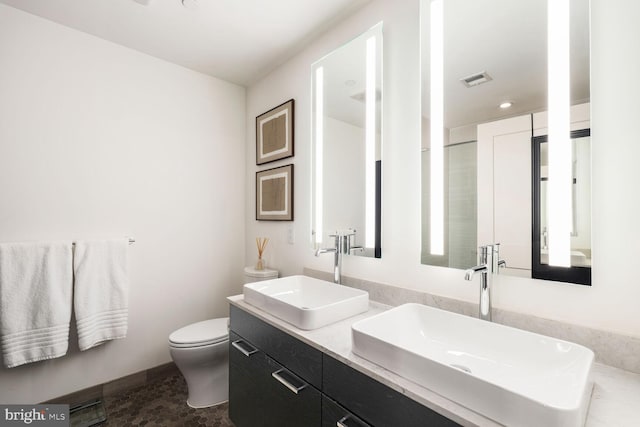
252 275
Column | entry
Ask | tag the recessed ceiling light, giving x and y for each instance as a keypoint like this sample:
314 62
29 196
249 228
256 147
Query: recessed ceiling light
506 105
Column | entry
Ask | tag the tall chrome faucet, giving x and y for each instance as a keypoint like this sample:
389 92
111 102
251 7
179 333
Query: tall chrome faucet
489 264
342 245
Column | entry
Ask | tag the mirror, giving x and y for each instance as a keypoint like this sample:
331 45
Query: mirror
494 99
580 259
347 145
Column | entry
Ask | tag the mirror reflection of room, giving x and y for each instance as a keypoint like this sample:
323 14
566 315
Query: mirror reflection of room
495 101
347 99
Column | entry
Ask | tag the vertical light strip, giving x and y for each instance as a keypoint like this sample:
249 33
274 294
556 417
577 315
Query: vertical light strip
319 142
559 203
437 125
370 143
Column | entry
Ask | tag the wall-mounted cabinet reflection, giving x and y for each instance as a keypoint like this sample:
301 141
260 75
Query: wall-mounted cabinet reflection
490 60
347 140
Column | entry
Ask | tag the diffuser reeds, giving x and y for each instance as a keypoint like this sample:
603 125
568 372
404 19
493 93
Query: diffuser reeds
261 243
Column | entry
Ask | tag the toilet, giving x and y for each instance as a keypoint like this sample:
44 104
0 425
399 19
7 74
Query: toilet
201 352
252 275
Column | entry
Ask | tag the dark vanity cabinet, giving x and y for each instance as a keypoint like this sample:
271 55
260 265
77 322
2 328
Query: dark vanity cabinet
277 380
274 379
374 401
333 414
264 393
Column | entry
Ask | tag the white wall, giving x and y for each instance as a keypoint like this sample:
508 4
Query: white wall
612 303
100 141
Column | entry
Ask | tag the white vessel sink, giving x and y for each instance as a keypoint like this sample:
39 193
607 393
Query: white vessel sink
514 377
305 302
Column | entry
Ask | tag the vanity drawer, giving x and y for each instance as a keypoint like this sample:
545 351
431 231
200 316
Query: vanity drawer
264 393
335 415
374 402
300 358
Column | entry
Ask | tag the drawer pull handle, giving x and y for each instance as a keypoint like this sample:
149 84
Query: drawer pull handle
353 422
237 344
280 376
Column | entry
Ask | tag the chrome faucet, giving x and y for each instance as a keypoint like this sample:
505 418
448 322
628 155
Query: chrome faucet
342 245
337 259
489 264
485 266
496 262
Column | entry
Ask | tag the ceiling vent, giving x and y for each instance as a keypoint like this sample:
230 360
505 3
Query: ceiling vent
361 96
476 79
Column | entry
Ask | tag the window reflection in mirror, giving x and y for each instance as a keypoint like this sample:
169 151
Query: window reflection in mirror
347 140
495 83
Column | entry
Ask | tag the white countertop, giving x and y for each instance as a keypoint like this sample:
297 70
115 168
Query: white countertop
616 394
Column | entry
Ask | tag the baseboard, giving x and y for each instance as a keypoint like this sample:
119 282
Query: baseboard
117 386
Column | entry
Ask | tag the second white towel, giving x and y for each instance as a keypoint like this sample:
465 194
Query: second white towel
101 291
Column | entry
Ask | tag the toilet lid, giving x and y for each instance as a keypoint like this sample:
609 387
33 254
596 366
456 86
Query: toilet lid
265 273
201 333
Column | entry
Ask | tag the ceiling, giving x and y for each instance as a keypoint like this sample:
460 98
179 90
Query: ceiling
236 40
345 75
508 40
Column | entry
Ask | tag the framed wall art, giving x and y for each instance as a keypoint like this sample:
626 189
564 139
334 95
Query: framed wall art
274 194
274 133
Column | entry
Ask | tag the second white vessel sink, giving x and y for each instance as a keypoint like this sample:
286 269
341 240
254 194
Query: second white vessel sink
305 302
514 377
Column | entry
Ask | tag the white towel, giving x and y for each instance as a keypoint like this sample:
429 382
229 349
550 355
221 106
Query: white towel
101 291
35 301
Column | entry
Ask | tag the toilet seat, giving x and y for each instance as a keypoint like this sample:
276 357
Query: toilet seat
200 334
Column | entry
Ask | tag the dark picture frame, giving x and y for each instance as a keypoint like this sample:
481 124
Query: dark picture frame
275 133
274 194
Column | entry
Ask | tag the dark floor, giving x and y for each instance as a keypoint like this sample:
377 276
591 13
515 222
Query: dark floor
161 403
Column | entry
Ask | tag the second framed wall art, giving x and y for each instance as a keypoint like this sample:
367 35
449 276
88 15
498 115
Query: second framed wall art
274 194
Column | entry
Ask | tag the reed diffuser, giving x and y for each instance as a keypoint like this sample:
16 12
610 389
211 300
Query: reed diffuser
261 243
